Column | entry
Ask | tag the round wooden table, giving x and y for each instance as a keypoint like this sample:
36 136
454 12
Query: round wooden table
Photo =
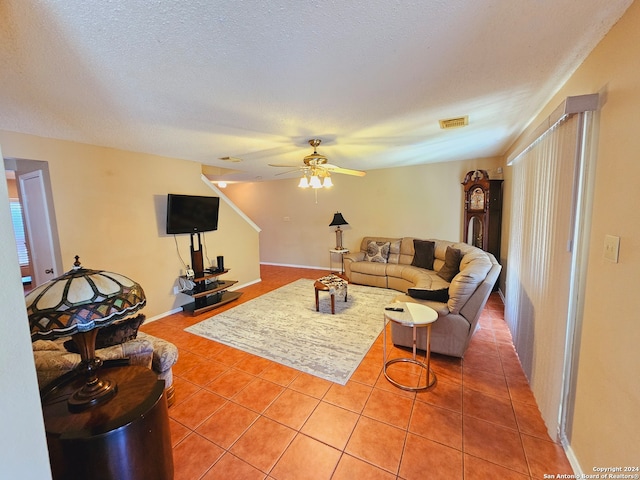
126 438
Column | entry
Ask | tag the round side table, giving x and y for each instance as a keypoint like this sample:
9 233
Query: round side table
127 438
413 315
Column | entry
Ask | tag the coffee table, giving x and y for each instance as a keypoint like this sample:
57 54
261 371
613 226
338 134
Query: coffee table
413 315
332 284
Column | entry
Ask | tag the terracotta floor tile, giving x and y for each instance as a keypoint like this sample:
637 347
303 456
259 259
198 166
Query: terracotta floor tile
183 390
230 382
258 395
230 356
352 396
310 385
351 468
194 456
230 467
389 408
490 408
377 443
331 425
405 374
545 457
205 372
482 347
306 458
448 369
494 443
438 424
263 444
530 421
423 458
479 469
368 372
227 424
187 361
520 391
196 409
292 408
443 394
485 382
253 364
482 361
178 432
280 374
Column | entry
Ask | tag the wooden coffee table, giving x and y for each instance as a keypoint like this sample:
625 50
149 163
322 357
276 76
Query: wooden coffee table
332 284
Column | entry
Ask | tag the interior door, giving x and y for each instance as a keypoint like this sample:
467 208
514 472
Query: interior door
38 225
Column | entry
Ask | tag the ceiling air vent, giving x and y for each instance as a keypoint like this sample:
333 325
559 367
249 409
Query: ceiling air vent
231 159
454 122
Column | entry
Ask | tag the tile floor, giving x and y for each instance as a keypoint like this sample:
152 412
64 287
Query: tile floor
238 416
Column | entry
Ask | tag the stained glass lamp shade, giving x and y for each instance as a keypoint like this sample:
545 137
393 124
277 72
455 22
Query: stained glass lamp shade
77 304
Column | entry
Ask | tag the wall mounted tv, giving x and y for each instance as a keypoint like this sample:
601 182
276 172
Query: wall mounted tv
191 213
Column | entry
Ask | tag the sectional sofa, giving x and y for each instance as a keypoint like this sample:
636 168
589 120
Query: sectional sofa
455 279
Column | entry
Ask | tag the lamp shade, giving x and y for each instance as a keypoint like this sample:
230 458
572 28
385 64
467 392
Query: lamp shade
81 300
338 220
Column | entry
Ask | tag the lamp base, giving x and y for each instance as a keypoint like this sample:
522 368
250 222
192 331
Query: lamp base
92 394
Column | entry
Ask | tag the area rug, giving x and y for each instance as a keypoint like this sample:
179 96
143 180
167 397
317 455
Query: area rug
283 326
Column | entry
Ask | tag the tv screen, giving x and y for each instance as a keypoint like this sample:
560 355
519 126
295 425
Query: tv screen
191 213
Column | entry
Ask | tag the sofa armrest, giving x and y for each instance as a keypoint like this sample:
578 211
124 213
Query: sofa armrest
348 259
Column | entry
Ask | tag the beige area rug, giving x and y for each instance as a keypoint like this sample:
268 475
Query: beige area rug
283 326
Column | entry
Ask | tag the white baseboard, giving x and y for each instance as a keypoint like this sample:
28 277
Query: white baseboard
313 267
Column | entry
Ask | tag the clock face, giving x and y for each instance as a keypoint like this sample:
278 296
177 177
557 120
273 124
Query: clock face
476 200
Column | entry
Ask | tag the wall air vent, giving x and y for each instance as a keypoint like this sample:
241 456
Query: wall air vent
454 122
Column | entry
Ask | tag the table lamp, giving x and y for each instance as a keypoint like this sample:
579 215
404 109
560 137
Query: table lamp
338 220
78 303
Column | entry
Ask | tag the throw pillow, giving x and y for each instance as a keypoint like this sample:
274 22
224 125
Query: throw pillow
394 252
424 253
441 295
377 252
451 265
118 332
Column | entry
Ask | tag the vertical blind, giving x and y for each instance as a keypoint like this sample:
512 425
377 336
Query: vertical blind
18 228
539 274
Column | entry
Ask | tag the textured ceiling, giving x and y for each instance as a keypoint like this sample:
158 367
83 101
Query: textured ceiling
254 80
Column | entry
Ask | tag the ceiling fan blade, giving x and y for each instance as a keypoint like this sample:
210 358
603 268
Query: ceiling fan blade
283 165
288 171
345 171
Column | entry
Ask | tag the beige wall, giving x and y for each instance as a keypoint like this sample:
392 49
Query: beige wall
606 425
421 201
110 208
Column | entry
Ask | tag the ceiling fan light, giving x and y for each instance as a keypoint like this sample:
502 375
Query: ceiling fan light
304 182
327 183
315 182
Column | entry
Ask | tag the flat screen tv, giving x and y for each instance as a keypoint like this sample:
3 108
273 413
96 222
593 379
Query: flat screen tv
191 213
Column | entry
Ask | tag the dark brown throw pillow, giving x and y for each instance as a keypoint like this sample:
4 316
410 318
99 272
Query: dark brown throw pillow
451 265
118 332
424 253
441 295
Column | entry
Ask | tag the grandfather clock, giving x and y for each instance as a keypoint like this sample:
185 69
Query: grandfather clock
482 211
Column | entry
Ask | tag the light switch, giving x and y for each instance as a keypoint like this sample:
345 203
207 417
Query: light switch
611 248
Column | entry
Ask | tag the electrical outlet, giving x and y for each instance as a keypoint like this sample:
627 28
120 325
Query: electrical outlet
611 248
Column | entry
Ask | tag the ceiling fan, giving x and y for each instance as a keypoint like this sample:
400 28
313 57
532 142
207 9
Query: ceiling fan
316 172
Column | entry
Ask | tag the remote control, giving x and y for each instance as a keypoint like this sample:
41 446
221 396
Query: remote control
395 309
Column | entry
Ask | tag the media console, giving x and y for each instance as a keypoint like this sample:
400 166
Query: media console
209 291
